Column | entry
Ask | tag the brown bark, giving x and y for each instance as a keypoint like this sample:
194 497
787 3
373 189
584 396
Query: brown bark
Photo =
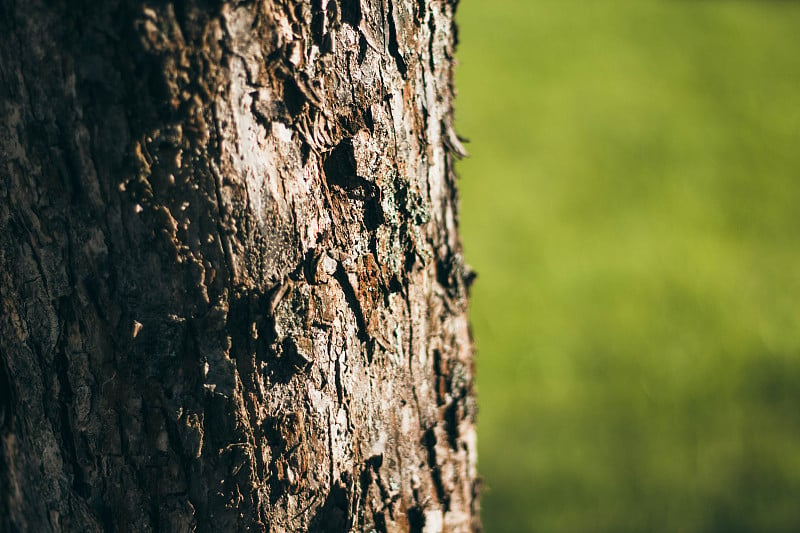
232 292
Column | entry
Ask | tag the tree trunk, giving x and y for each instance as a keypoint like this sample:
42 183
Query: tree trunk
231 284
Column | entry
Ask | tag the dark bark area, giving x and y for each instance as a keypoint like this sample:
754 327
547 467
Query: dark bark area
232 290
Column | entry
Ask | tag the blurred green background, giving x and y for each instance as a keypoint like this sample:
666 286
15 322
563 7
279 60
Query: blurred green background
632 208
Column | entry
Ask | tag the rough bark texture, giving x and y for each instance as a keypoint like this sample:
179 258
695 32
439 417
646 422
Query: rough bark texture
232 295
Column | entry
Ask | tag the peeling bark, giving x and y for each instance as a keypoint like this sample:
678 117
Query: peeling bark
232 290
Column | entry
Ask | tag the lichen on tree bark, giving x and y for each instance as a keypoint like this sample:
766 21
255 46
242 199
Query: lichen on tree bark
233 295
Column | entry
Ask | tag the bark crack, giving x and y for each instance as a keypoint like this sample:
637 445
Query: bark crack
394 48
352 300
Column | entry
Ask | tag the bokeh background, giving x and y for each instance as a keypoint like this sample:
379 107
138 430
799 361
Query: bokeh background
632 208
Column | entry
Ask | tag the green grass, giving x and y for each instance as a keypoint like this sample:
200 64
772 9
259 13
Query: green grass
632 208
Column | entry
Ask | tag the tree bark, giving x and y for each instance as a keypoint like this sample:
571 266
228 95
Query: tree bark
232 290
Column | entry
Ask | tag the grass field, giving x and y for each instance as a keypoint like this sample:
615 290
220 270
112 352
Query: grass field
632 208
